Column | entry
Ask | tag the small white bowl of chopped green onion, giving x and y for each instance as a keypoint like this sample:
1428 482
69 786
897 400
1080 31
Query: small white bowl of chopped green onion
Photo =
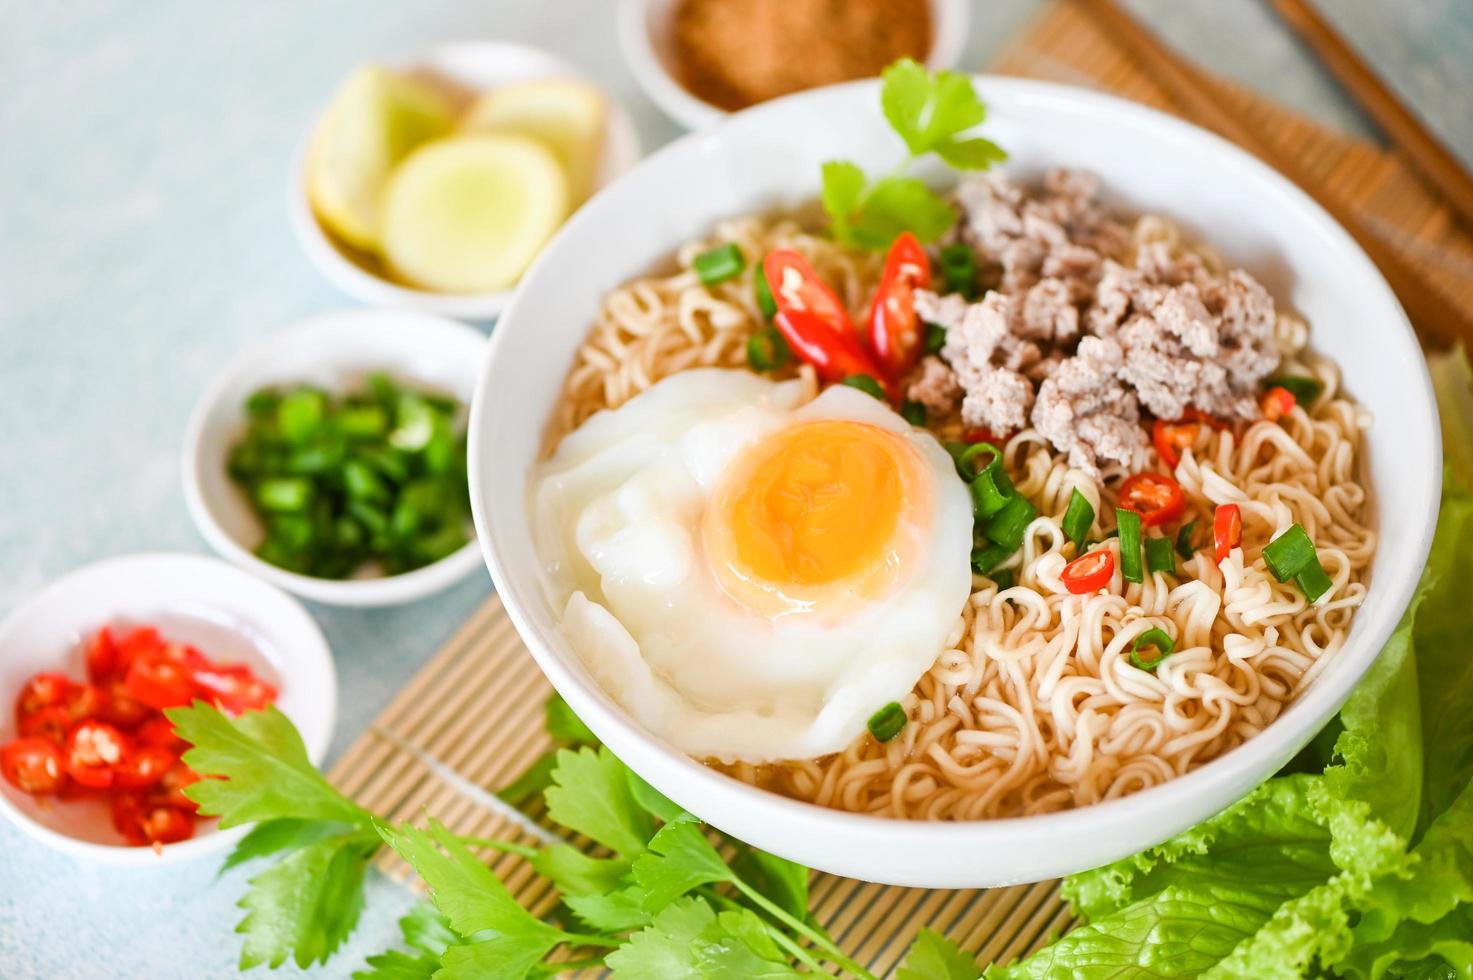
329 459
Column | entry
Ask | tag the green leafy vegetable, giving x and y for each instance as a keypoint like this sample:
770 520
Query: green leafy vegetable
305 905
473 900
930 111
1362 867
262 767
590 794
934 957
567 729
427 935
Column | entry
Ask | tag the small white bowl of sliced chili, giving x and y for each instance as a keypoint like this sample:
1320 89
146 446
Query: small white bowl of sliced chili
101 765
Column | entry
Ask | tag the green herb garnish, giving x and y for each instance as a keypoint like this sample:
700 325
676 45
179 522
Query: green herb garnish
767 350
886 723
1079 517
1150 648
1158 556
719 264
1128 524
930 111
866 384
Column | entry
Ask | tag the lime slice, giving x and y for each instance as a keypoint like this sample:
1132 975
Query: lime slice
566 114
467 214
373 121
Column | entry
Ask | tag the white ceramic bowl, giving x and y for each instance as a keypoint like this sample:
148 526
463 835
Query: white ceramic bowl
769 156
644 37
222 610
335 351
479 65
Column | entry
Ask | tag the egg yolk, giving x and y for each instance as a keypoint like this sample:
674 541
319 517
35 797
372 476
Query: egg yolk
813 505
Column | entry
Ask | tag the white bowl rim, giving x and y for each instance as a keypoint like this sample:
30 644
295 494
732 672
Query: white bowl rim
694 112
722 793
316 741
361 284
385 590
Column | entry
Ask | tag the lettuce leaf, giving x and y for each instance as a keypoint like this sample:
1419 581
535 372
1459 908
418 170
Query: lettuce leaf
1357 863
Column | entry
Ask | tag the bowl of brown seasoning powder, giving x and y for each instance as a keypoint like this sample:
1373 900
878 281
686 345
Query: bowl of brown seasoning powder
701 59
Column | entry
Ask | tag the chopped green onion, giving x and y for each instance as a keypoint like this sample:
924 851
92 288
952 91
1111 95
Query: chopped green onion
959 269
299 414
1314 580
262 403
1158 556
866 384
765 302
1078 519
362 482
1184 540
1005 579
1129 524
767 350
1304 389
1008 525
1290 553
913 412
284 494
967 456
719 264
886 723
986 558
362 422
991 491
1153 637
935 338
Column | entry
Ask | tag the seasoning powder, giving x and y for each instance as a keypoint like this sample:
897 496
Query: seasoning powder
733 53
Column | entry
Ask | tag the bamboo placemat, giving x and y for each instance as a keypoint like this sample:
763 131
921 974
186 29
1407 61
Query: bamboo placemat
471 719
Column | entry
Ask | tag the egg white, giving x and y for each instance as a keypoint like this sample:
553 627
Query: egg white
616 518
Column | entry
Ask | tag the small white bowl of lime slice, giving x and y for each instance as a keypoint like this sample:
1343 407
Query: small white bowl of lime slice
430 185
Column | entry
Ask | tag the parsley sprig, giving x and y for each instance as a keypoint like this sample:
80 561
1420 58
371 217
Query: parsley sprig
931 112
657 894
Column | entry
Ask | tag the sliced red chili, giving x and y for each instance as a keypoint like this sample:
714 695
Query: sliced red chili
234 688
1227 529
121 710
896 335
49 723
102 656
1170 438
85 701
167 825
135 643
143 821
144 767
95 751
170 790
835 355
160 731
1155 496
983 434
1089 572
158 680
42 691
127 816
33 765
796 288
1276 403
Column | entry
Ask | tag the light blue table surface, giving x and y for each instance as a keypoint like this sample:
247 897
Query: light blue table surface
143 238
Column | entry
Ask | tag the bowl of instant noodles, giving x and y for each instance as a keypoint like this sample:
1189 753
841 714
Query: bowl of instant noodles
964 521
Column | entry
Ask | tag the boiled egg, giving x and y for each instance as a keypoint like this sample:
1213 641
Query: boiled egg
749 572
